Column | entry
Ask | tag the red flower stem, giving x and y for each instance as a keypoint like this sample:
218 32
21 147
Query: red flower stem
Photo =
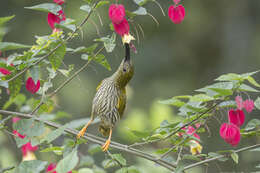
221 156
53 50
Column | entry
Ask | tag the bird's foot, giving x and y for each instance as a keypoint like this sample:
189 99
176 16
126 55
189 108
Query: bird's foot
106 145
81 133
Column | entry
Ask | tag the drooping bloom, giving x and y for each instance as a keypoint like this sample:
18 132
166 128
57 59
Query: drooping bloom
191 131
60 2
116 13
239 102
51 168
31 86
15 119
52 18
176 13
230 133
26 148
236 117
176 1
248 105
122 28
4 71
195 147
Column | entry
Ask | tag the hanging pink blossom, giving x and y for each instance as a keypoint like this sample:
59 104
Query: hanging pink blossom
248 105
176 13
116 13
18 134
176 1
27 148
191 130
239 102
60 2
52 18
230 133
4 71
122 28
15 119
31 86
236 117
51 168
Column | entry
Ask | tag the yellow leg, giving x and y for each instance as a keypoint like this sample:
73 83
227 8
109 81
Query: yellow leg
106 145
83 130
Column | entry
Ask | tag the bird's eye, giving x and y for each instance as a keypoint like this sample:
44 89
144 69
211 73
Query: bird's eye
124 69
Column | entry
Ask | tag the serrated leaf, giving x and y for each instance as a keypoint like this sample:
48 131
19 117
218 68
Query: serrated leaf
5 19
173 101
54 134
109 42
247 88
56 150
57 57
109 163
85 8
46 7
68 163
5 46
252 124
88 50
229 77
100 59
101 3
32 166
235 157
201 97
253 82
94 148
119 158
246 75
29 127
257 103
140 11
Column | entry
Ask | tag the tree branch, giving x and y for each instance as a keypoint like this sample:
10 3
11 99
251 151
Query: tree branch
221 156
99 140
53 50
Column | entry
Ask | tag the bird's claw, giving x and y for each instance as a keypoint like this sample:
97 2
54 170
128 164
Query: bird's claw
106 146
81 133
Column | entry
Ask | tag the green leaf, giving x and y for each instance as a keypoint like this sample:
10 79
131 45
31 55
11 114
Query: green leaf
252 124
212 154
228 104
15 86
57 57
101 3
109 163
46 7
29 127
94 148
5 19
122 170
133 169
109 42
54 134
20 142
141 2
84 56
247 88
201 98
179 169
229 77
85 170
119 158
68 163
88 50
32 166
246 75
253 82
85 8
100 59
86 161
190 157
56 150
257 103
140 11
173 101
235 157
4 46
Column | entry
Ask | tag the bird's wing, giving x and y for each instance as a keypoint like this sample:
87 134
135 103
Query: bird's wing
121 103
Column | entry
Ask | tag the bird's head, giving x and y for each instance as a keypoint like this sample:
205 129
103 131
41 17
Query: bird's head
125 71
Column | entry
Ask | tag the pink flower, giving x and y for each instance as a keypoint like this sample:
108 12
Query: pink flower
52 18
239 102
28 147
230 133
236 117
18 134
60 2
176 13
4 71
176 1
116 13
15 119
31 86
190 131
51 168
122 28
248 105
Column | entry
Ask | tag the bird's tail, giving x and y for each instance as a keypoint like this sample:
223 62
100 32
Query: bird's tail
104 130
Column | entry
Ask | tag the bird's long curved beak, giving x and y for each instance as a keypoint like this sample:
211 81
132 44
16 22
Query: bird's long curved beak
127 52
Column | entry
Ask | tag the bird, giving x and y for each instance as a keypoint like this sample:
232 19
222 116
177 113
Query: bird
109 101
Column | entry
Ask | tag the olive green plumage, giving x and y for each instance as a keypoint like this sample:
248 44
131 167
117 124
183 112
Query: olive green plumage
110 99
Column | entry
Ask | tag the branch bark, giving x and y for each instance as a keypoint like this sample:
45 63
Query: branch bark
99 140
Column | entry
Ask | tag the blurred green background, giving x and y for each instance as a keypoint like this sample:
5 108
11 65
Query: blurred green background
216 37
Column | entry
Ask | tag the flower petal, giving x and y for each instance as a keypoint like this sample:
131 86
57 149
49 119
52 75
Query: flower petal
116 13
176 13
239 102
30 85
236 117
4 71
230 133
122 28
60 2
248 105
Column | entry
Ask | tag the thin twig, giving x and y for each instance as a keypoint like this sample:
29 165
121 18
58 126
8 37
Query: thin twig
98 140
66 82
6 169
177 130
53 50
221 156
